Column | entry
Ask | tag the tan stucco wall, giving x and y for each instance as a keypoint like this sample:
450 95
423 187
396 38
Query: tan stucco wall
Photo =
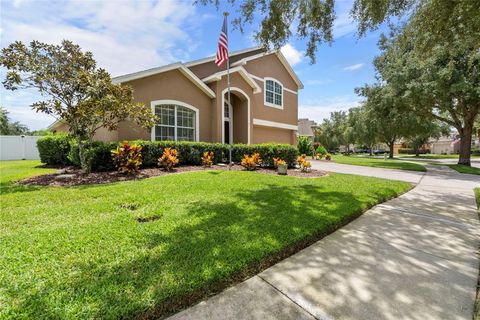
240 119
270 66
267 134
236 82
171 85
102 134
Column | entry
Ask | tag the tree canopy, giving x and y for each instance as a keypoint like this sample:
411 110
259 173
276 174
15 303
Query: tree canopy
9 128
80 94
313 20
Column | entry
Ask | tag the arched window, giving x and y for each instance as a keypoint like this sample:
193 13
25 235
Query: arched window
177 122
273 93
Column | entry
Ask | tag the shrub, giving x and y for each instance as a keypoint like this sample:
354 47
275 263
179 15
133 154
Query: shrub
301 159
267 152
321 150
304 145
98 155
251 162
207 159
127 158
318 156
54 149
328 157
306 166
189 153
316 144
278 162
169 159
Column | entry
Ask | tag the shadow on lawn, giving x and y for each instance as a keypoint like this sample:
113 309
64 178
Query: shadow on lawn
12 187
227 243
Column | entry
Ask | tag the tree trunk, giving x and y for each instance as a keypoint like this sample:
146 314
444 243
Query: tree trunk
417 152
81 154
465 146
371 150
391 144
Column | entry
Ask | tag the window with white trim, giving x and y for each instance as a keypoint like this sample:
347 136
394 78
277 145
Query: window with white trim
176 123
273 93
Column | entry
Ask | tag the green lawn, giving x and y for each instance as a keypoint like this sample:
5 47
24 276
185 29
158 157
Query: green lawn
19 169
80 252
378 162
433 156
464 169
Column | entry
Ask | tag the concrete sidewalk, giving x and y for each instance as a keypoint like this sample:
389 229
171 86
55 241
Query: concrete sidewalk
413 257
402 175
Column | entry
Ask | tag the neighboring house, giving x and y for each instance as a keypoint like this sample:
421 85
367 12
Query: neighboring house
446 145
191 100
307 127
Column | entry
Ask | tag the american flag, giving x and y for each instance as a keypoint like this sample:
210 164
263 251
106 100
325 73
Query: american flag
222 52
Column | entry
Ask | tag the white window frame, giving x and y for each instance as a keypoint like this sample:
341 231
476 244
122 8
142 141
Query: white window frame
177 103
269 104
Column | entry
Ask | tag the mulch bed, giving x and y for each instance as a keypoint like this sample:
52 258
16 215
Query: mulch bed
71 176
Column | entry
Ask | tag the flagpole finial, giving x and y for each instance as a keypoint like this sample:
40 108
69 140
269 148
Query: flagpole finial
226 13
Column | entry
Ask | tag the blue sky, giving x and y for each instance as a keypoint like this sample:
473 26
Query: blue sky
127 36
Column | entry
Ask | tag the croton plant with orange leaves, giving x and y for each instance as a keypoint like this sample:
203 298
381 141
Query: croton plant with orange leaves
127 158
251 162
207 159
169 159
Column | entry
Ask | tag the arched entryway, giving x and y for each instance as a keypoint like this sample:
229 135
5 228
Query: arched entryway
236 116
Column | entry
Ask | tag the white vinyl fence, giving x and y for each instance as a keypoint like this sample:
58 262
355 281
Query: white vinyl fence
19 148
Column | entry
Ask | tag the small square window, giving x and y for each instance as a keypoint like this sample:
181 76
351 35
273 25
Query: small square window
273 92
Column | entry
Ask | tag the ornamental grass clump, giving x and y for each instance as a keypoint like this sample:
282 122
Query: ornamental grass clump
207 159
127 158
169 159
251 162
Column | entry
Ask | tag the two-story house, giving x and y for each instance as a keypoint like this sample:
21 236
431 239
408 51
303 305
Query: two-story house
191 101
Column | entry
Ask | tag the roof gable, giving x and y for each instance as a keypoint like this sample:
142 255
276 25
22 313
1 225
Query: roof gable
280 57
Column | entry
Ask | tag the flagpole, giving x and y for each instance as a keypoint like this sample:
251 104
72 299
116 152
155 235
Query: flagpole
228 96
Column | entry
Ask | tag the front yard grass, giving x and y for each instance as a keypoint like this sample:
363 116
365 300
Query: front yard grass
18 169
80 252
378 162
433 156
464 169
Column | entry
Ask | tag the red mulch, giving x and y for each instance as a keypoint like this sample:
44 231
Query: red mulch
79 178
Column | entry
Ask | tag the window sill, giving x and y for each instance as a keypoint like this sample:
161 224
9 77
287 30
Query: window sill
272 105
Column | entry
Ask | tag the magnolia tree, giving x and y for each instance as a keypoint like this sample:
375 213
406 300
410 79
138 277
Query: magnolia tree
76 91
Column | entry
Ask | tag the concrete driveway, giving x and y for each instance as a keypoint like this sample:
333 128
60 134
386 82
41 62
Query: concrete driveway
413 257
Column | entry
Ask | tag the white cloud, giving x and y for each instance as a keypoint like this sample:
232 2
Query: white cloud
292 55
343 24
321 109
124 36
354 67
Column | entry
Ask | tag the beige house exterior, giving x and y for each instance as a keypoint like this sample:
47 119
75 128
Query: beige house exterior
191 100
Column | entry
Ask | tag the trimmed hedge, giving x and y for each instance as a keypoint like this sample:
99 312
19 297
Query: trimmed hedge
267 152
411 151
54 149
99 153
188 152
